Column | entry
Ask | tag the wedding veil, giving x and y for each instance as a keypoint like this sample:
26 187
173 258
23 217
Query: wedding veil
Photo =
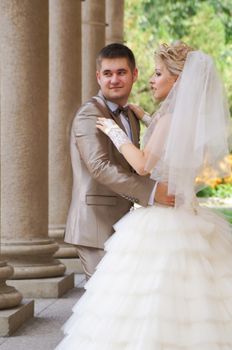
190 132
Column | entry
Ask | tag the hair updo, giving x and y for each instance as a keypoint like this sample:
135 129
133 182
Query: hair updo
173 56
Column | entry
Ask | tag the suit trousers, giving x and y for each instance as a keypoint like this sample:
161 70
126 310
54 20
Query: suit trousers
90 257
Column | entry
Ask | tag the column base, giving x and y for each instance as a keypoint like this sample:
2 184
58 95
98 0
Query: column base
72 265
11 320
9 296
44 287
32 258
65 250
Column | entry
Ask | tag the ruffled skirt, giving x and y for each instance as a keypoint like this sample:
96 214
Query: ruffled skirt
165 283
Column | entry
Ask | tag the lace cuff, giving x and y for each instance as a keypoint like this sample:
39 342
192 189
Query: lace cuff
118 137
146 119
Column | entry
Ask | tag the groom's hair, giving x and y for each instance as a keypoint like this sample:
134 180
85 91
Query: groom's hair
116 50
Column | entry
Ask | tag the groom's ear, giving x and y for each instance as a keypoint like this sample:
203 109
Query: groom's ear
98 76
135 74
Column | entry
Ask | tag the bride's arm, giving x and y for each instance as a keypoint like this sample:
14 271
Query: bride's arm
141 114
136 158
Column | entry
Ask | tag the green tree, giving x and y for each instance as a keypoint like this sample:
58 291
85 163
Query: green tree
208 33
204 24
140 38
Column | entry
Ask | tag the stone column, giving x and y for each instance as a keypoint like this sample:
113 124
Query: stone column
64 100
9 296
114 20
24 140
93 39
13 311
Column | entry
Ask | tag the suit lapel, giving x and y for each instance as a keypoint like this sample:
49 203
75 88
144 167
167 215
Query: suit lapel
107 111
134 124
118 121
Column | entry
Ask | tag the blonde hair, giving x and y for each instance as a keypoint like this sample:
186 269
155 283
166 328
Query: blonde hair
173 56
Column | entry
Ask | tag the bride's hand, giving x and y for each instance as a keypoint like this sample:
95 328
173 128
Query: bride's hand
105 125
113 131
139 112
161 195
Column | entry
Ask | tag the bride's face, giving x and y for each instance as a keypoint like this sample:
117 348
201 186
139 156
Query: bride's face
161 81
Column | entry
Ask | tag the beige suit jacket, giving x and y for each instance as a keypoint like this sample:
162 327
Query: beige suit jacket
104 184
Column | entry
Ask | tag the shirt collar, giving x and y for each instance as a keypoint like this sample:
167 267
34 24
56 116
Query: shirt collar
111 105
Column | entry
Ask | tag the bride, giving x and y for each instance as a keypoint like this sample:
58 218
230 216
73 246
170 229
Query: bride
165 282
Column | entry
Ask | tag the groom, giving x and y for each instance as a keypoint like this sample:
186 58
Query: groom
104 185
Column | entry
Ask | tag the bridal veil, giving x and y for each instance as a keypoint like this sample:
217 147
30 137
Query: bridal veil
191 130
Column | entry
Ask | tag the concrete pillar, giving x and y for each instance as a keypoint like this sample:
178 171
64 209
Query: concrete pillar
9 296
114 20
13 311
64 100
93 39
24 140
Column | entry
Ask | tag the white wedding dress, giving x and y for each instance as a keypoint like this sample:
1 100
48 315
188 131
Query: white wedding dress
165 283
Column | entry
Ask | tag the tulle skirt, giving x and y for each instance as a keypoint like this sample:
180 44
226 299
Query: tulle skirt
165 283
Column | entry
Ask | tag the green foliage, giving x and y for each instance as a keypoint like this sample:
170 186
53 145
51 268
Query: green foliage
204 24
205 192
220 191
223 191
212 40
140 38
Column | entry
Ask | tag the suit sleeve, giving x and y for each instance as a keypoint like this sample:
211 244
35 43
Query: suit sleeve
95 147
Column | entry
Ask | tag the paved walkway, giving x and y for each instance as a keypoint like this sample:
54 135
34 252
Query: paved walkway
43 332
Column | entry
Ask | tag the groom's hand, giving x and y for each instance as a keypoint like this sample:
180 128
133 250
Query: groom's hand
162 197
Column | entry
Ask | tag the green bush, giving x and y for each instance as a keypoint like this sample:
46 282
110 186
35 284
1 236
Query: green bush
205 192
220 191
223 191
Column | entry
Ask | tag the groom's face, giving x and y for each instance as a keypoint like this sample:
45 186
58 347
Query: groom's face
116 78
